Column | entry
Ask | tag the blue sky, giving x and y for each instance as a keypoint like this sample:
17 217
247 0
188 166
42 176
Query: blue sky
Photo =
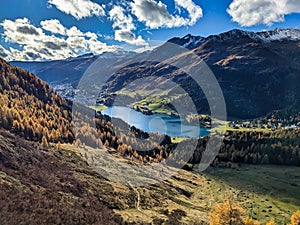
56 29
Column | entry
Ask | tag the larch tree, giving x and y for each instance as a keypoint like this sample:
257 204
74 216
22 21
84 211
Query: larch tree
295 218
226 214
44 141
250 221
271 222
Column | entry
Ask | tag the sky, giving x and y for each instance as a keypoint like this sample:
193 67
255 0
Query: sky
36 30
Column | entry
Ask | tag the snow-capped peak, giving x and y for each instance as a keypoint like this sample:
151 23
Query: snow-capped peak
264 36
279 35
190 41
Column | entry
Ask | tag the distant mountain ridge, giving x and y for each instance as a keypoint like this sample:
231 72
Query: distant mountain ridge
69 70
190 41
258 72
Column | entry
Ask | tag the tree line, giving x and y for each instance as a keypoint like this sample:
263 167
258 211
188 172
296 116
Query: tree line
281 147
31 109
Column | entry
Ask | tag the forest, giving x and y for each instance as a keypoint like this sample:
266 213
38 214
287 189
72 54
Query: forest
31 109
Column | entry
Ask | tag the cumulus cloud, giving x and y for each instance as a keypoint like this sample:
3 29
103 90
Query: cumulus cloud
120 20
195 11
78 8
20 31
155 14
123 25
54 26
35 44
130 38
250 13
4 53
74 32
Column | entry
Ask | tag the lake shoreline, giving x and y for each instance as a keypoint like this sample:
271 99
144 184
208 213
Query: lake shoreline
171 125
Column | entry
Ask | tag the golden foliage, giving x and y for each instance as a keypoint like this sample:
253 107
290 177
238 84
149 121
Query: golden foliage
30 108
295 218
44 141
271 222
226 213
250 221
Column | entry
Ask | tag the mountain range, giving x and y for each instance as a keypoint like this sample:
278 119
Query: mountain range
46 179
257 72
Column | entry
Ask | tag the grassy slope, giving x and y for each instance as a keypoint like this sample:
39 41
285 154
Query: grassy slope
41 185
265 191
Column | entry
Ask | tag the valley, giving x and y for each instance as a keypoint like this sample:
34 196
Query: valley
273 56
99 141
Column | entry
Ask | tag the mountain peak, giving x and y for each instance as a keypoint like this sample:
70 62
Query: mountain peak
189 41
263 36
279 34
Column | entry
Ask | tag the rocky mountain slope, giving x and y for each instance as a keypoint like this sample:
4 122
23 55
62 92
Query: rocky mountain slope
45 186
41 185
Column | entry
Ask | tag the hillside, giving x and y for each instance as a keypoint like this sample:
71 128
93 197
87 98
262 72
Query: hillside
60 71
55 186
30 108
64 75
47 183
45 186
243 62
257 72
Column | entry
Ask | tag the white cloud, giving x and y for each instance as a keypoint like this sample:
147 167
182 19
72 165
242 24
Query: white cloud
120 20
4 53
78 8
74 32
123 26
155 14
36 45
249 13
54 26
195 11
130 37
21 31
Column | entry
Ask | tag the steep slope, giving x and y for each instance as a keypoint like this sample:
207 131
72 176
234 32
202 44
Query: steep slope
46 186
30 108
64 75
258 72
59 71
256 76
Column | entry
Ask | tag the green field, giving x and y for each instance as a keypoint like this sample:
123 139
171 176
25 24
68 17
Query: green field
265 191
155 105
99 107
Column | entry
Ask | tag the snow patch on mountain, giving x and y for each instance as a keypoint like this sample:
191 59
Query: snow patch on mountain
189 41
